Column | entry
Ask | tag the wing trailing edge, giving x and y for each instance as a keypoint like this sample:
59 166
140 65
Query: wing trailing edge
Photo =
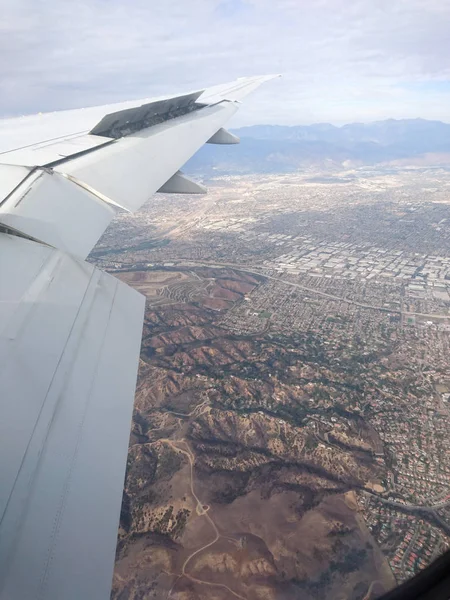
69 346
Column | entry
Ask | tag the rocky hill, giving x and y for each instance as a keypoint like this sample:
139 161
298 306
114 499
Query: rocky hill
242 475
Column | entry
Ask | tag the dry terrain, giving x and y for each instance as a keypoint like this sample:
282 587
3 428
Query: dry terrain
234 487
290 432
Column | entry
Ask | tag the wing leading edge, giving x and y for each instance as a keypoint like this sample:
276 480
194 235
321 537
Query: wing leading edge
70 334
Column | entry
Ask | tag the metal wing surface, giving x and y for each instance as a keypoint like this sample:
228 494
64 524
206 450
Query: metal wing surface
69 333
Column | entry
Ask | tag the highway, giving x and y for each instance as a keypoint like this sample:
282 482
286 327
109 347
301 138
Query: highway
249 269
423 510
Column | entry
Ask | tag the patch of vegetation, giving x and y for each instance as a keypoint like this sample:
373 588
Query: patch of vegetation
265 314
180 522
230 490
169 462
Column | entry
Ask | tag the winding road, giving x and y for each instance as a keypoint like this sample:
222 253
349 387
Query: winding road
201 512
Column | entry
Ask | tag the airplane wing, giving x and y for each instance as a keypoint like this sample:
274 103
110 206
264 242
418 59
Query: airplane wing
69 333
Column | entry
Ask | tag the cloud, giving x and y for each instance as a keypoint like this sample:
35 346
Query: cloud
231 9
342 61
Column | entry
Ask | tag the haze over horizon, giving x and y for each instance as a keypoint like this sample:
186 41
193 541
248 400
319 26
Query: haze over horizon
341 62
346 123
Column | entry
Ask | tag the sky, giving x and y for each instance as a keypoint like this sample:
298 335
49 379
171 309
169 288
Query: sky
341 60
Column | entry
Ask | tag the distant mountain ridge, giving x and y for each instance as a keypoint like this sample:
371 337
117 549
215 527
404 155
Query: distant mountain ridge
280 148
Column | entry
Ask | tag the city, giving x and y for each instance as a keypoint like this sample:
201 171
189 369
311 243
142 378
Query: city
335 301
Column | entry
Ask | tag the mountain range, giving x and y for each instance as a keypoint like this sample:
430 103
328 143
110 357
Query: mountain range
278 148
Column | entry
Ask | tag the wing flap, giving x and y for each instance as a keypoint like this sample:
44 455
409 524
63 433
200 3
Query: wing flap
51 208
70 367
11 176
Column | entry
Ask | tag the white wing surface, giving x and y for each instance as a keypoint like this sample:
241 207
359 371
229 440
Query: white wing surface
69 333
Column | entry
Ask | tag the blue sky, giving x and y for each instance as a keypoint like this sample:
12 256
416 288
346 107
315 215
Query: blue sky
341 60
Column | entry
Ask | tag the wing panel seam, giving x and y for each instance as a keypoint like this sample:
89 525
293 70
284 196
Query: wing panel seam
14 190
66 488
42 406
